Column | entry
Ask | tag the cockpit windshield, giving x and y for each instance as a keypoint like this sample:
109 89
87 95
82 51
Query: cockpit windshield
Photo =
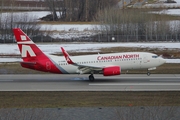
155 56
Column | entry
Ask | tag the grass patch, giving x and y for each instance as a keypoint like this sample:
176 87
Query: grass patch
87 99
163 69
15 68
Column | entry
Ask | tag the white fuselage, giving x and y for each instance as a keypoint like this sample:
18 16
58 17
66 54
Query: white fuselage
126 61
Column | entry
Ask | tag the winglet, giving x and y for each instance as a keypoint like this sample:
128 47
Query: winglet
66 55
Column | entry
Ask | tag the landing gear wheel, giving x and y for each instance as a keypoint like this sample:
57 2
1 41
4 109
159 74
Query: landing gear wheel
148 73
91 77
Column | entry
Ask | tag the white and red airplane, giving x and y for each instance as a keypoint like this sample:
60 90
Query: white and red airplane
106 64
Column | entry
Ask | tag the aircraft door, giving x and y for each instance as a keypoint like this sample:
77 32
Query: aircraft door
140 62
145 58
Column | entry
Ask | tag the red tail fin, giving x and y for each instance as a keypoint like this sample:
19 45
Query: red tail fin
29 50
32 56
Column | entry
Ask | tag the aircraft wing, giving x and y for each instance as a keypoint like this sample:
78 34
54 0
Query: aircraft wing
87 66
82 68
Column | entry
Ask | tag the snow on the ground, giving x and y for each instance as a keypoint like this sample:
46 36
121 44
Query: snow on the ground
34 15
68 27
166 6
172 60
173 12
177 1
54 27
10 60
49 48
66 31
69 31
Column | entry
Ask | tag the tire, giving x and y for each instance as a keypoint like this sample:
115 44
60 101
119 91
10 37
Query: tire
91 78
148 73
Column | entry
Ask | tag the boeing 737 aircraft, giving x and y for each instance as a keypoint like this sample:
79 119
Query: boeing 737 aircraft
106 64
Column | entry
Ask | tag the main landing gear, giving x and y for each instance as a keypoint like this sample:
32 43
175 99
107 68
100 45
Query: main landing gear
91 77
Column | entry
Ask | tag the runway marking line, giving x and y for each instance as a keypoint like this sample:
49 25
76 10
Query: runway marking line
165 80
131 84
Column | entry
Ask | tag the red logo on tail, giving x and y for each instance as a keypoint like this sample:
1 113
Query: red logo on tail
27 49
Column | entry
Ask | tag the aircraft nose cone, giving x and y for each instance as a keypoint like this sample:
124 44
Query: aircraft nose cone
163 61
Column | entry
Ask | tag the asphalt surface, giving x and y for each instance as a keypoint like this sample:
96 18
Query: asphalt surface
57 82
126 82
93 113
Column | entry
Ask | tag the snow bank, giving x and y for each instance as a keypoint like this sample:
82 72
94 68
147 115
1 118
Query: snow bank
49 48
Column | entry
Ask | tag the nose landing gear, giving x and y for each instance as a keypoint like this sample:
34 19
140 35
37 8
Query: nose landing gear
148 73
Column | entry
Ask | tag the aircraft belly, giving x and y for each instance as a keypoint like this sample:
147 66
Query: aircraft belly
126 65
70 69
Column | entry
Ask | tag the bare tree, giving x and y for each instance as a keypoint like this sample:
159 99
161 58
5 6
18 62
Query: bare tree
52 4
137 25
23 21
79 10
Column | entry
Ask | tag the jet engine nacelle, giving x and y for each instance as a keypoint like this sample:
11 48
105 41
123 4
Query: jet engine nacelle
113 70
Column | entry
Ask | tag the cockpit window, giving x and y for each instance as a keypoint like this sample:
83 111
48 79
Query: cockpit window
154 56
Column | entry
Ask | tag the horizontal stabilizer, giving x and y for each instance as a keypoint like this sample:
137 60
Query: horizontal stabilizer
29 63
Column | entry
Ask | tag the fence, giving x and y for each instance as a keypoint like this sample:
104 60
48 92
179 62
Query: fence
102 38
114 38
24 8
137 38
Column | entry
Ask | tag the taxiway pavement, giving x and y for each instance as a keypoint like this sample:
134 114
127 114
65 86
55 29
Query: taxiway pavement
58 82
